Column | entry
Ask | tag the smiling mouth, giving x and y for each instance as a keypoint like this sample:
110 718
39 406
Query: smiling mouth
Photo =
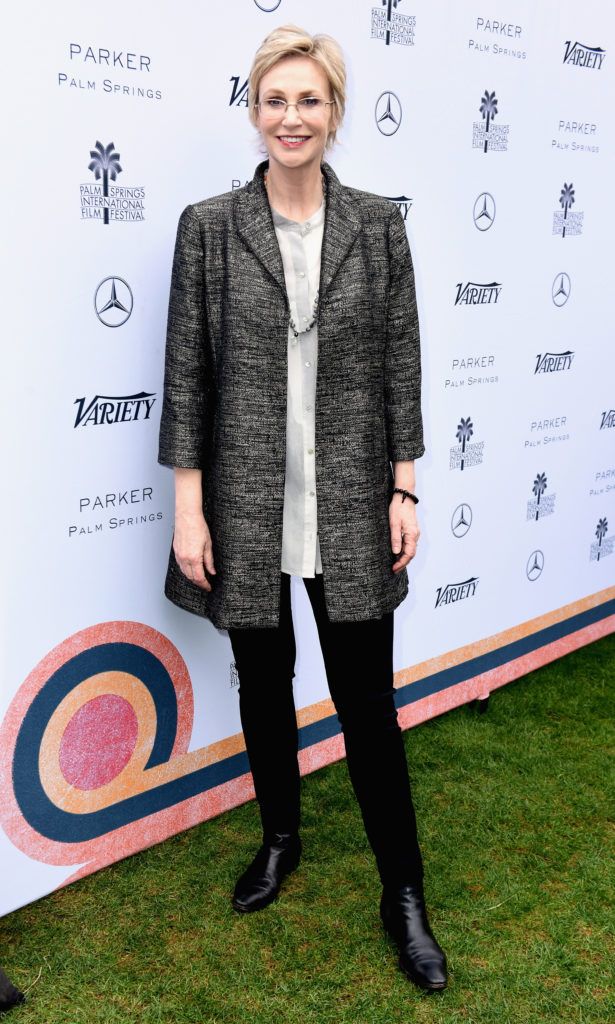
290 140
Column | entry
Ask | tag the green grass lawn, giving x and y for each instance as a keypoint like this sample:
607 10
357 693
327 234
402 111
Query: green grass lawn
513 810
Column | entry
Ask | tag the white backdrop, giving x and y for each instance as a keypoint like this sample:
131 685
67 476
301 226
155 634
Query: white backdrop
510 221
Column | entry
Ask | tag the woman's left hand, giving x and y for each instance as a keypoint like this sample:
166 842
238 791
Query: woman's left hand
404 530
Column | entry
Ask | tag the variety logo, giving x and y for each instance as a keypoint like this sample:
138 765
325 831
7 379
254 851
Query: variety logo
466 454
541 504
535 565
477 293
105 201
484 211
564 221
553 362
113 301
560 289
392 26
607 420
402 202
239 92
388 113
583 56
603 545
105 409
485 134
461 520
456 591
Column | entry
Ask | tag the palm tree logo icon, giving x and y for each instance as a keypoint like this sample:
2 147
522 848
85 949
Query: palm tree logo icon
388 4
488 108
601 530
566 199
106 164
540 486
464 433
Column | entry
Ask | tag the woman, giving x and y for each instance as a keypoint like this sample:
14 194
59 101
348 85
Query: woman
292 377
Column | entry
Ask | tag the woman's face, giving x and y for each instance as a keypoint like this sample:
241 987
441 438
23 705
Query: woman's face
295 139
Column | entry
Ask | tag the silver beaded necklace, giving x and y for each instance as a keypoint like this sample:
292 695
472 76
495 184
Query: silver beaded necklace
314 316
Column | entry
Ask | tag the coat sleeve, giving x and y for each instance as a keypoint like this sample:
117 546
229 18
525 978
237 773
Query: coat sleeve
187 369
402 380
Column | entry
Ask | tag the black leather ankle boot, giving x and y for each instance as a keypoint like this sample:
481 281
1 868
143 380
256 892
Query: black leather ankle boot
404 917
260 883
9 995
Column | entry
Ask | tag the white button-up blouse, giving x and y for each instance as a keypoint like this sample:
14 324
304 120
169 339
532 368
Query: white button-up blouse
300 245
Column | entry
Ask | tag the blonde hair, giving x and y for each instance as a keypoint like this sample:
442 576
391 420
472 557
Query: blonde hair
290 40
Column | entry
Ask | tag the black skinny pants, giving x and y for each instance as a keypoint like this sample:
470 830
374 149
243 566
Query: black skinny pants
358 658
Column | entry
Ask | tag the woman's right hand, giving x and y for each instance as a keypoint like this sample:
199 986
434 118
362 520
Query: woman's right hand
193 548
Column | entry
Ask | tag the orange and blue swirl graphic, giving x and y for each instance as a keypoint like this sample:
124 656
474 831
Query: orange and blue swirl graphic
94 761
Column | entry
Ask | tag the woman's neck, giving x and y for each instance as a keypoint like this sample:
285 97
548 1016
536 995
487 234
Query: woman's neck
296 193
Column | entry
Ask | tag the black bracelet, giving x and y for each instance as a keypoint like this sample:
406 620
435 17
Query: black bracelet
406 494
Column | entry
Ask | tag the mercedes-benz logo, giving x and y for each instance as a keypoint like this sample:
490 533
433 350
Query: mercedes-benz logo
461 520
388 113
535 565
560 289
268 8
484 211
113 301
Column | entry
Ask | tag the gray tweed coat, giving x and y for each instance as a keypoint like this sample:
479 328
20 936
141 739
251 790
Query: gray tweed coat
224 403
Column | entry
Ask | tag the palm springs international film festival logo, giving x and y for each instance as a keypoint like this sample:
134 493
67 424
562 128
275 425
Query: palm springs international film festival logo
553 362
485 134
390 25
565 222
603 545
541 504
466 454
456 591
102 410
583 56
113 301
103 201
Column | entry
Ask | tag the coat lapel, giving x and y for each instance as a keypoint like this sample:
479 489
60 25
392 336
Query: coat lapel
254 223
342 225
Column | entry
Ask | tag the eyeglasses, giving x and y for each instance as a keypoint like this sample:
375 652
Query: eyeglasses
308 107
